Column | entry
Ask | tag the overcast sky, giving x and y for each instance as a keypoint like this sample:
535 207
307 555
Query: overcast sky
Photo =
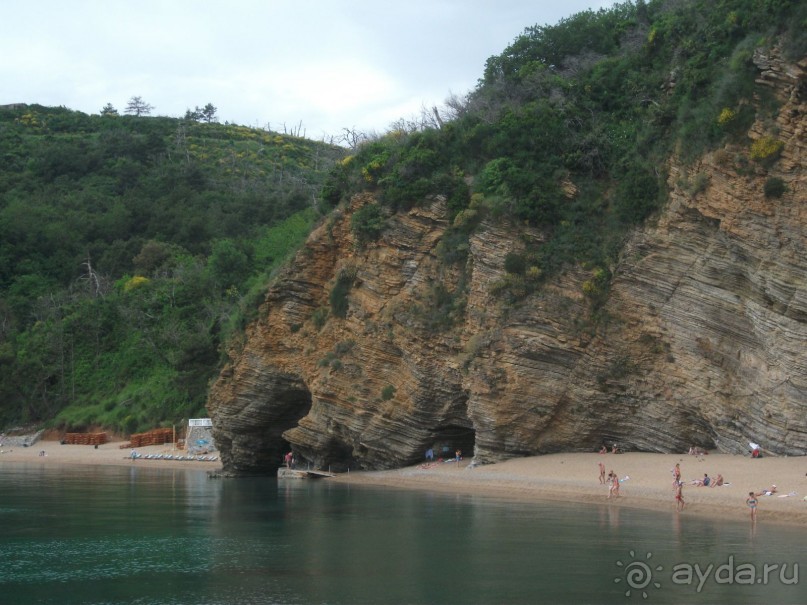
325 64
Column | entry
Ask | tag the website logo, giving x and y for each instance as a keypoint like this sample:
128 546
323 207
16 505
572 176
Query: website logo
640 575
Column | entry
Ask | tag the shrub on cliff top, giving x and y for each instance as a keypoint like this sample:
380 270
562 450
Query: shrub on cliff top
367 224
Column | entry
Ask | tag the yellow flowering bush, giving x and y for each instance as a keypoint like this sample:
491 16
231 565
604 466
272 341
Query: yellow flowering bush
29 119
596 287
726 116
371 171
766 148
136 282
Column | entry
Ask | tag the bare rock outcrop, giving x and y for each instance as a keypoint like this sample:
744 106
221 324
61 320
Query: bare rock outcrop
701 340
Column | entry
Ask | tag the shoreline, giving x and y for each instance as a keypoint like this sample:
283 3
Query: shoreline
108 454
646 482
573 477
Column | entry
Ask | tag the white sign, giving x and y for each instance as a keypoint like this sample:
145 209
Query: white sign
200 422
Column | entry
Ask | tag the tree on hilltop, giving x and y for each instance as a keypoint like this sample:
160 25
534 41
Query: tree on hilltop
138 107
208 113
205 114
109 110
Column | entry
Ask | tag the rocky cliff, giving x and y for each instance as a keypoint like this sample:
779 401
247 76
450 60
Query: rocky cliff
699 341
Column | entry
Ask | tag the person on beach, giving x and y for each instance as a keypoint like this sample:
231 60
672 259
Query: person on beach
702 482
604 449
458 456
676 472
134 455
613 484
751 501
602 473
718 482
679 496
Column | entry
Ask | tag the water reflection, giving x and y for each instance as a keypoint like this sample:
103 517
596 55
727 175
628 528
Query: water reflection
145 536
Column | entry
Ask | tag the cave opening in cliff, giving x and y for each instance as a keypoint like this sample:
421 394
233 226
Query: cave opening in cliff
290 402
450 438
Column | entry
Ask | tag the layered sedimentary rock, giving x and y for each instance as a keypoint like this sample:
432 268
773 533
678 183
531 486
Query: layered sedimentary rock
701 340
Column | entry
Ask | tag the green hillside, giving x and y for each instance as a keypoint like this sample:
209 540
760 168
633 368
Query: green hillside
598 102
131 249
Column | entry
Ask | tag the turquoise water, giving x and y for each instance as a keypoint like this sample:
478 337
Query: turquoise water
112 535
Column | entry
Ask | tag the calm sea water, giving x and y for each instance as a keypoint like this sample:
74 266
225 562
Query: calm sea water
155 536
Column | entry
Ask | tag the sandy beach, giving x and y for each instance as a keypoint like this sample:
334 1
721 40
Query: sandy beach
107 454
646 482
646 479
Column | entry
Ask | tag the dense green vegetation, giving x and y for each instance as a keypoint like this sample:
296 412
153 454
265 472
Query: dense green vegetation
131 250
601 100
134 248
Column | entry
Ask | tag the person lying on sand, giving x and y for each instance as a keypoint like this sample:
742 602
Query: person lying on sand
702 482
767 492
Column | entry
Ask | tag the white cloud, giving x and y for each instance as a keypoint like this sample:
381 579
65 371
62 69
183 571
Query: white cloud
329 64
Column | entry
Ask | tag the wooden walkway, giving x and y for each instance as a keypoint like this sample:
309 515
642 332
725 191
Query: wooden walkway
298 473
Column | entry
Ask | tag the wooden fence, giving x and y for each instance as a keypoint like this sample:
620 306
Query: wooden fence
85 438
152 437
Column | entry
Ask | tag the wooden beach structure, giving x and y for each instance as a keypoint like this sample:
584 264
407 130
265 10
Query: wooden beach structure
299 473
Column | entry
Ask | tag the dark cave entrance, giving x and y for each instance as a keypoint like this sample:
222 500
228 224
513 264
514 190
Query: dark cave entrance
450 438
289 402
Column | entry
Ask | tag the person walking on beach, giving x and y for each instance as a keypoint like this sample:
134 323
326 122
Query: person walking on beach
751 501
679 496
602 473
613 484
676 475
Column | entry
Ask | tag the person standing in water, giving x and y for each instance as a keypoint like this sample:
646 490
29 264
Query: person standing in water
679 496
613 484
751 501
